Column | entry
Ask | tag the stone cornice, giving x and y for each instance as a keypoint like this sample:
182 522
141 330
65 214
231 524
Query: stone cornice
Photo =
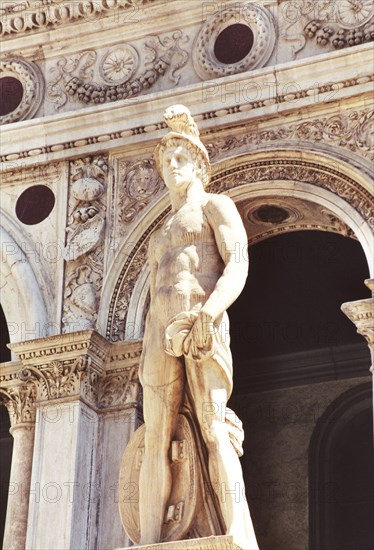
68 346
34 15
81 365
138 121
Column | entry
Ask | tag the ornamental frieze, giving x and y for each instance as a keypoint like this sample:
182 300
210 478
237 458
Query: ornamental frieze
329 24
122 76
351 131
27 15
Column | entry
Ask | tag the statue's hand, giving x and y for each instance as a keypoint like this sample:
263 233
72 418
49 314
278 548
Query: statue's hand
200 337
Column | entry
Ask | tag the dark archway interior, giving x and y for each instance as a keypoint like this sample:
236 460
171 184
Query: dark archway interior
6 440
349 504
291 302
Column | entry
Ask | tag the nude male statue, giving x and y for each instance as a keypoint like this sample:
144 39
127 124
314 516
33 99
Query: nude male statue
197 271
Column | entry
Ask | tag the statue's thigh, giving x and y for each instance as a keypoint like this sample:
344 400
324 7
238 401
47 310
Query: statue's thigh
163 381
208 390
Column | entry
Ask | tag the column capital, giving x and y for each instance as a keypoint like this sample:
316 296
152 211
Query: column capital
361 313
64 367
118 390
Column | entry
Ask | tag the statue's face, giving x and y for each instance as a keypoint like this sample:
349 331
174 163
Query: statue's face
178 167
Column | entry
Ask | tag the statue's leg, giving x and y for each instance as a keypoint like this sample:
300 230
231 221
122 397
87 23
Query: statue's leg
209 396
163 380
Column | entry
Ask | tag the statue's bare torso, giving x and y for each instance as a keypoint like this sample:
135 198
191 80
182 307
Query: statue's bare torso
186 262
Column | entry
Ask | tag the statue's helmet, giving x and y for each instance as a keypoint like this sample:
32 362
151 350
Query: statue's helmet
183 129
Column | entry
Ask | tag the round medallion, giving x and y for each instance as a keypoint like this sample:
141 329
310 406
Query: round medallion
21 90
119 64
236 39
354 13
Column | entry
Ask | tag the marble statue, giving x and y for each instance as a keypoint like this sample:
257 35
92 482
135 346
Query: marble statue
198 267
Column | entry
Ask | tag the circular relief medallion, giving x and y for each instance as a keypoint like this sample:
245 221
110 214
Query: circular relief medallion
236 39
354 13
21 90
119 64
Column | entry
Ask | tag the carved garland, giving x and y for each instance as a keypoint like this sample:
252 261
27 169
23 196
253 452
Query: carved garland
294 170
329 23
73 76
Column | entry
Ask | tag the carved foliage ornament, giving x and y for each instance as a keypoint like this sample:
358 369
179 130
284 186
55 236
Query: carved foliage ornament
291 170
74 76
339 24
260 24
58 378
352 131
30 79
84 252
19 400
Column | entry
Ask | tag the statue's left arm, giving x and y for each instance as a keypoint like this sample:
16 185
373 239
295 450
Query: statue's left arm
231 242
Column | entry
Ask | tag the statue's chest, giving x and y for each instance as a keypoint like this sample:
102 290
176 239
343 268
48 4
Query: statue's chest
187 226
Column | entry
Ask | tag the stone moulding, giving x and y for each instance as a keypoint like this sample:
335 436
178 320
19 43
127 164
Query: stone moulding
218 113
20 17
286 170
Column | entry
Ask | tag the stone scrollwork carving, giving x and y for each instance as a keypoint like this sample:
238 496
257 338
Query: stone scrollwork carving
351 130
74 76
60 367
31 84
260 23
139 183
84 249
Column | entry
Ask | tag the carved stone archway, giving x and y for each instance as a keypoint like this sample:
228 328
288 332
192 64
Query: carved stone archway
316 178
19 286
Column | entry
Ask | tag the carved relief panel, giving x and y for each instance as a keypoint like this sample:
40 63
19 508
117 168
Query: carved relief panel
84 249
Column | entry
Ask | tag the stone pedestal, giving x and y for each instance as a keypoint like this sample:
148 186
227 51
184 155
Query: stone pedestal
221 542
